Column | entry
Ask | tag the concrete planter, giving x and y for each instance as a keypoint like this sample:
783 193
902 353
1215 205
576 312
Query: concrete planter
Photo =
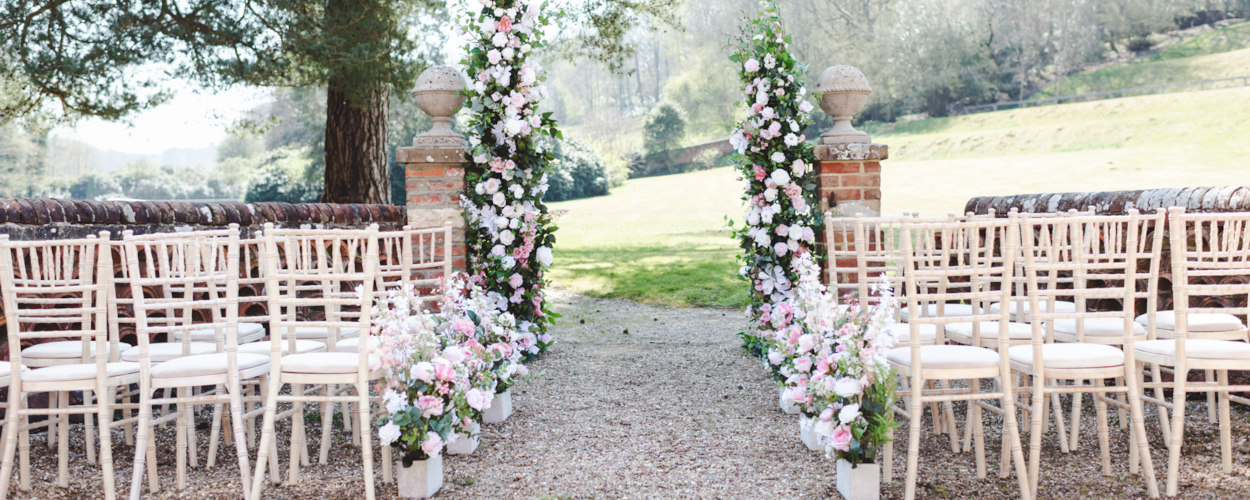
500 408
860 483
465 444
422 480
787 405
810 438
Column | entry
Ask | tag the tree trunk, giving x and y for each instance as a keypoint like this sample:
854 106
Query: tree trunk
357 169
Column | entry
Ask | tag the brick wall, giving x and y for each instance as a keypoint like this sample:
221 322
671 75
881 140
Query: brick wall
434 178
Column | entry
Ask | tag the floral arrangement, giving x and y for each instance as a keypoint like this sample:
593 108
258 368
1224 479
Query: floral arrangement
441 369
511 232
844 380
777 164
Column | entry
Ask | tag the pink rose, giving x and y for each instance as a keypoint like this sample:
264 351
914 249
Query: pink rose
522 370
493 56
803 365
841 438
799 394
423 371
793 190
477 399
464 327
805 107
826 415
781 249
751 66
505 24
515 280
783 230
759 173
430 406
433 444
443 370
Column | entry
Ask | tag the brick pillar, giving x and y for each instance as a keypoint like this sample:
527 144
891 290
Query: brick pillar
849 183
434 178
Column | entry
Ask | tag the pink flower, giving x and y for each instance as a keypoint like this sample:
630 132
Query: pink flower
423 371
443 370
477 399
799 394
793 190
505 24
805 107
751 66
515 280
781 249
494 56
522 370
826 415
803 364
464 326
783 230
759 173
799 203
430 406
841 438
433 444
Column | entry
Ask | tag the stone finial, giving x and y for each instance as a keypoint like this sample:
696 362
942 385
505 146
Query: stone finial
437 93
843 92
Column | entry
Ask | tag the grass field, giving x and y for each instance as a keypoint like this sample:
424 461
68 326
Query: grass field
658 240
1170 67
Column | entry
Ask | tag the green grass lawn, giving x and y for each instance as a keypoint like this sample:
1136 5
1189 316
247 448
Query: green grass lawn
1231 37
1169 70
658 240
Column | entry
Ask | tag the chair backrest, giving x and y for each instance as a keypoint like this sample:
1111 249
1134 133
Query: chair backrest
1210 266
56 289
194 272
954 261
412 257
1102 254
331 269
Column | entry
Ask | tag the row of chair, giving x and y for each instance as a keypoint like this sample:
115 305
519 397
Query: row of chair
1082 296
183 288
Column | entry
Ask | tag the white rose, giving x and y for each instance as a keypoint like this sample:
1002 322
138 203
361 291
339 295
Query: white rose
753 218
514 126
507 237
544 256
500 222
508 263
847 387
423 371
848 413
778 157
514 223
799 168
492 185
499 199
499 40
780 177
480 188
823 427
770 194
453 354
389 433
508 53
775 357
486 26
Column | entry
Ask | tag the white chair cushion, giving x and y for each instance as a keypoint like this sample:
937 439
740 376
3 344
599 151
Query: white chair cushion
165 351
352 344
1098 327
989 330
1070 356
6 368
205 364
246 330
902 333
1205 322
63 349
322 333
1061 306
949 310
301 346
324 362
946 357
65 373
1196 348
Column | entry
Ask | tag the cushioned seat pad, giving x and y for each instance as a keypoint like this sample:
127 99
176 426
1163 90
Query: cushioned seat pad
301 346
6 368
246 330
989 330
352 344
1098 327
1196 348
64 373
1204 322
946 357
902 332
324 362
205 364
949 310
64 349
322 333
1061 306
1070 356
165 351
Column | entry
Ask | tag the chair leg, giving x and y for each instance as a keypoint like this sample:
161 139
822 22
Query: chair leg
949 416
180 429
1004 456
297 435
105 414
268 388
154 480
12 421
975 423
1123 398
23 446
1156 375
88 397
1211 403
237 424
141 440
62 476
387 462
213 435
1078 405
1057 407
54 401
1142 444
327 425
1036 429
887 461
1017 454
366 451
193 451
1226 440
1178 429
913 444
1104 437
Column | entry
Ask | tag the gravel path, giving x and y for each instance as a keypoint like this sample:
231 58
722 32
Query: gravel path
652 402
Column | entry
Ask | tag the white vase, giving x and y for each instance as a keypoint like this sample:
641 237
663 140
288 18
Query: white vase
500 408
860 483
465 444
787 404
422 480
813 441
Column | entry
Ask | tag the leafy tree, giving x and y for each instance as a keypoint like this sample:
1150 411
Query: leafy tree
577 172
664 128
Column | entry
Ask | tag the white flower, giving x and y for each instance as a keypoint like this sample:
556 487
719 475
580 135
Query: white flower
499 40
423 371
514 126
480 188
395 401
761 97
544 256
792 140
780 177
778 157
770 62
389 433
847 387
528 75
486 26
477 399
848 413
493 56
753 218
492 185
805 343
508 262
500 222
453 354
770 194
507 237
799 168
751 66
514 223
775 357
499 199
508 52
823 427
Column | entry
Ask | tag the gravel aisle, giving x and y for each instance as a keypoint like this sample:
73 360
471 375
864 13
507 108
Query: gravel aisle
652 402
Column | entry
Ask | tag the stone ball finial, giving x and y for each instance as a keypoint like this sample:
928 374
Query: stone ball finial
437 94
843 91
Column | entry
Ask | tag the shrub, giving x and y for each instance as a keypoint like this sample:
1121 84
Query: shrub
664 128
282 177
577 172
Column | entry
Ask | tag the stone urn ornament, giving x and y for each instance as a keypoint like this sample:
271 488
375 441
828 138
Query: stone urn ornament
437 93
843 91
